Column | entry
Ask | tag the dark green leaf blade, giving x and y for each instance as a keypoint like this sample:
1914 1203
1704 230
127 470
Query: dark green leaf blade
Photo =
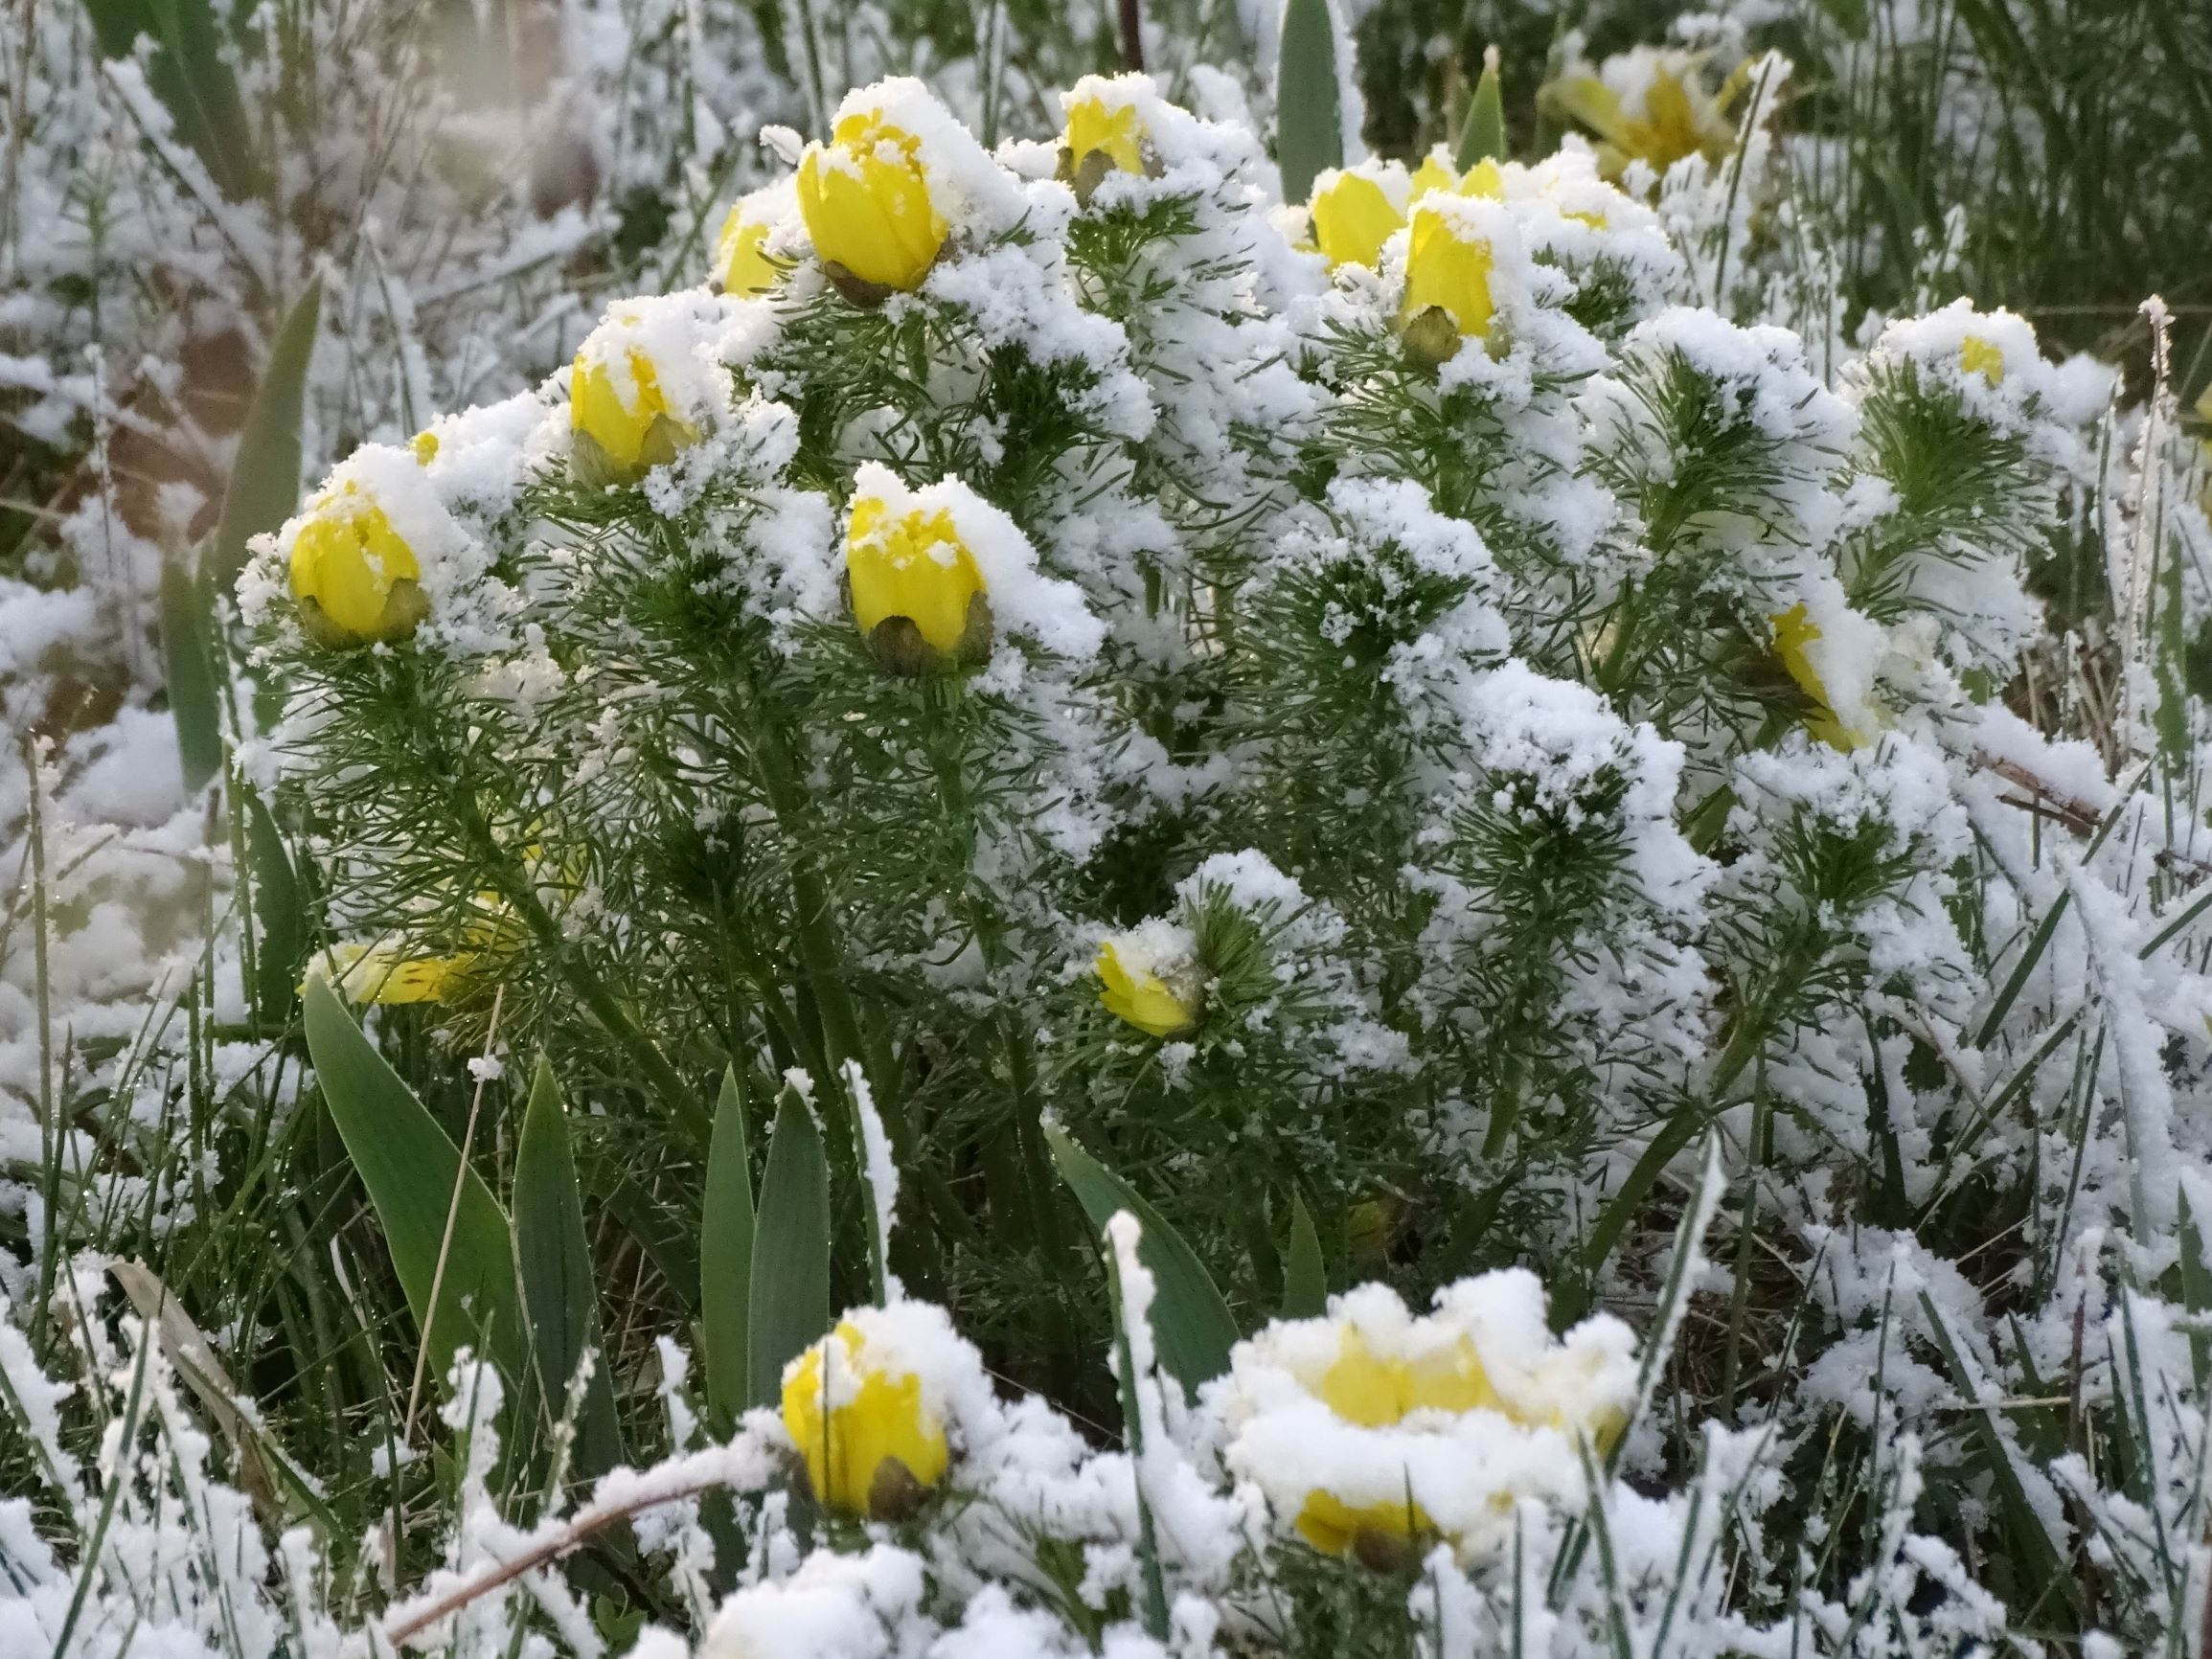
408 1164
1309 119
1483 137
265 481
1305 1281
726 1252
552 1260
790 1296
282 928
188 660
1190 1322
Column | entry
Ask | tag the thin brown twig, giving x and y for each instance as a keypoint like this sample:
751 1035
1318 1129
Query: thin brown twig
586 1523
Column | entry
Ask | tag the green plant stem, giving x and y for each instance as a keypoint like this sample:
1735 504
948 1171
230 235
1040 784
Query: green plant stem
518 889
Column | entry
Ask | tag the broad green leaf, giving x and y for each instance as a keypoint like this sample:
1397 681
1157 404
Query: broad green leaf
1483 137
265 481
726 1252
188 660
1305 1281
410 1165
187 73
283 942
1308 128
552 1260
790 1298
1190 1320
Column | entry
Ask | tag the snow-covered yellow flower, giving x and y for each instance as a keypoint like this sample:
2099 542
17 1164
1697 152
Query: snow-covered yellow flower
424 446
1093 128
866 202
1150 977
909 565
1352 216
624 425
1666 117
355 579
1448 268
872 1444
741 251
1984 357
1375 1430
1355 210
1795 633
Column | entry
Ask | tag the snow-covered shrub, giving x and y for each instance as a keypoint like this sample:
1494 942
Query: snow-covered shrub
1430 763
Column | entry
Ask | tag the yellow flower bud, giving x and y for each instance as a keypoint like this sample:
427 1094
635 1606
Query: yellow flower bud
1984 357
867 205
1094 129
911 568
1134 988
740 258
424 446
384 974
1448 267
622 431
1352 216
1795 631
356 581
871 1447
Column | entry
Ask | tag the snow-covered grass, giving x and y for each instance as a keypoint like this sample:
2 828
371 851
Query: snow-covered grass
1041 928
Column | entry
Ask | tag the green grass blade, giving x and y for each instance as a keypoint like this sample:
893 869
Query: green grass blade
1483 137
1190 1322
726 1252
2045 1565
552 1262
1305 1281
283 931
265 481
409 1166
2196 1286
790 1296
188 660
1309 119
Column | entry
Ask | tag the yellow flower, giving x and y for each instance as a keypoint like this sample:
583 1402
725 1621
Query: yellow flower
1984 357
1092 129
1485 178
355 579
1434 174
381 973
1352 216
872 1447
740 250
912 566
622 434
1448 267
867 204
1142 997
1795 629
424 446
1364 1388
1378 1534
1677 118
